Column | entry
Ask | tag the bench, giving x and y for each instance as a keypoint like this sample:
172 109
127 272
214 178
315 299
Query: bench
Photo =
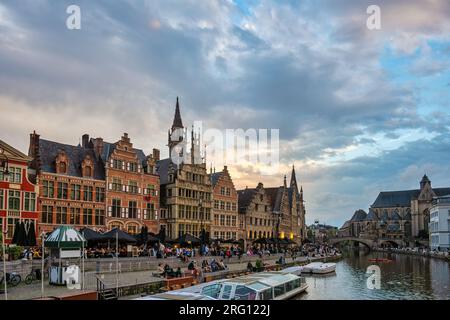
178 283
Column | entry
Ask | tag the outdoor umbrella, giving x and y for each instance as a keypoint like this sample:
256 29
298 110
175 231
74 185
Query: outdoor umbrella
21 235
162 234
121 236
91 235
65 237
16 233
188 239
31 235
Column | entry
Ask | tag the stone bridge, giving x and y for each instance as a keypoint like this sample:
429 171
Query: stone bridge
369 243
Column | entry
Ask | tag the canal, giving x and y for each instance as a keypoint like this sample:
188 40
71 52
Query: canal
406 277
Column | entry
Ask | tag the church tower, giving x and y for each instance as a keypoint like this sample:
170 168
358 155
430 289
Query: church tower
176 133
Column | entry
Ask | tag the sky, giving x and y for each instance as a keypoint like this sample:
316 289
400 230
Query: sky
358 111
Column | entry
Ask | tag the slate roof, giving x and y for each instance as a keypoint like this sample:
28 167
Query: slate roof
372 216
396 216
403 198
215 177
244 198
49 150
393 227
275 195
162 169
346 224
108 149
359 215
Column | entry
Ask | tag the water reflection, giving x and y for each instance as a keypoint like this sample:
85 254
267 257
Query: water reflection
406 277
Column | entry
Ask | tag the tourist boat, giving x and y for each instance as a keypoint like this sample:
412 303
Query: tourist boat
176 295
319 267
297 270
274 285
380 260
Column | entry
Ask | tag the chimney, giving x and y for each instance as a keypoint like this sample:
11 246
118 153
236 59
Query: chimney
98 146
33 151
85 140
156 154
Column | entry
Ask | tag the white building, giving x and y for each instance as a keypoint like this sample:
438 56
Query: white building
440 224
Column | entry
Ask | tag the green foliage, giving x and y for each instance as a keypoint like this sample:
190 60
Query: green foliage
258 264
14 252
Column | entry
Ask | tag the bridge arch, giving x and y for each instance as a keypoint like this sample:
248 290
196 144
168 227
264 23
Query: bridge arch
366 242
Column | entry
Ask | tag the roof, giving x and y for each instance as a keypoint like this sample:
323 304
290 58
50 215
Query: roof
245 198
108 149
403 198
346 224
275 195
359 215
177 122
162 168
395 216
49 150
393 227
372 216
215 177
65 237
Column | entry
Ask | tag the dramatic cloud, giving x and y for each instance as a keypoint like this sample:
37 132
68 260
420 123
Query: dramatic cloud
358 110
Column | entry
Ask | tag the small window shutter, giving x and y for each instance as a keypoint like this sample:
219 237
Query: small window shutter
156 214
110 186
139 190
139 213
123 165
145 191
111 162
123 212
124 188
139 168
128 166
156 192
109 211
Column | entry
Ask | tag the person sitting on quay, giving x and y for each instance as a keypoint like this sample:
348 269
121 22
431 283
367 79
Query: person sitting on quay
222 265
249 267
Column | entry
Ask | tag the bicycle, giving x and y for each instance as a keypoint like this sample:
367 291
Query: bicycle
35 274
12 279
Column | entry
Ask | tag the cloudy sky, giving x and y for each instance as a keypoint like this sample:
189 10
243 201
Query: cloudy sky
358 110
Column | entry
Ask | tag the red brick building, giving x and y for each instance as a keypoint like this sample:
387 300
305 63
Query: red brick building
132 185
72 185
17 194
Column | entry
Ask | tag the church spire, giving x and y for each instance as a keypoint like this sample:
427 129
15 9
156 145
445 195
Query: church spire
293 178
177 122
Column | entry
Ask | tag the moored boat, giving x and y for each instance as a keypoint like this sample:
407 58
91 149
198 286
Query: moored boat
319 268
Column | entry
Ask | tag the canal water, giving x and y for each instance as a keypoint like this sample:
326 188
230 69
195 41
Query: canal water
406 277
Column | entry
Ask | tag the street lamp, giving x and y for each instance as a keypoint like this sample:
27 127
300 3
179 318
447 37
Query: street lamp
4 169
202 234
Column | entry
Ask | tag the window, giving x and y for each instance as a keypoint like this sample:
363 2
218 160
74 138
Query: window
30 201
132 229
15 175
47 214
222 205
216 204
87 171
233 206
222 220
233 221
117 184
132 209
216 219
11 223
61 215
75 215
117 164
2 198
75 192
133 187
244 293
212 291
62 190
149 214
222 191
279 290
87 193
228 191
151 190
116 208
133 167
49 188
99 194
228 206
228 221
62 167
99 217
87 216
14 200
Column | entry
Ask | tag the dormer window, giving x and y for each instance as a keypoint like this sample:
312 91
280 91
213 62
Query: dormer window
62 167
87 171
87 167
62 163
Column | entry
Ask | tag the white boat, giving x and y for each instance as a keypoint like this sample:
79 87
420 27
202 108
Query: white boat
176 295
275 285
297 270
319 267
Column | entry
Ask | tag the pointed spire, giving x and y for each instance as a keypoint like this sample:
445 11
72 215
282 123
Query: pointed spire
285 184
293 178
177 122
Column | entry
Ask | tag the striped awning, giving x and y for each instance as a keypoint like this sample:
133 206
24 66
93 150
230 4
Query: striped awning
65 237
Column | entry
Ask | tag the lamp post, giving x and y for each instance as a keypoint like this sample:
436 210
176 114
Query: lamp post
202 235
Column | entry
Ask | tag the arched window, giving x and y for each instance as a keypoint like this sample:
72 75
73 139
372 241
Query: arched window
88 171
62 167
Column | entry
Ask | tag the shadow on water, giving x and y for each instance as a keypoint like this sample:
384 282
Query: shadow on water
405 277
